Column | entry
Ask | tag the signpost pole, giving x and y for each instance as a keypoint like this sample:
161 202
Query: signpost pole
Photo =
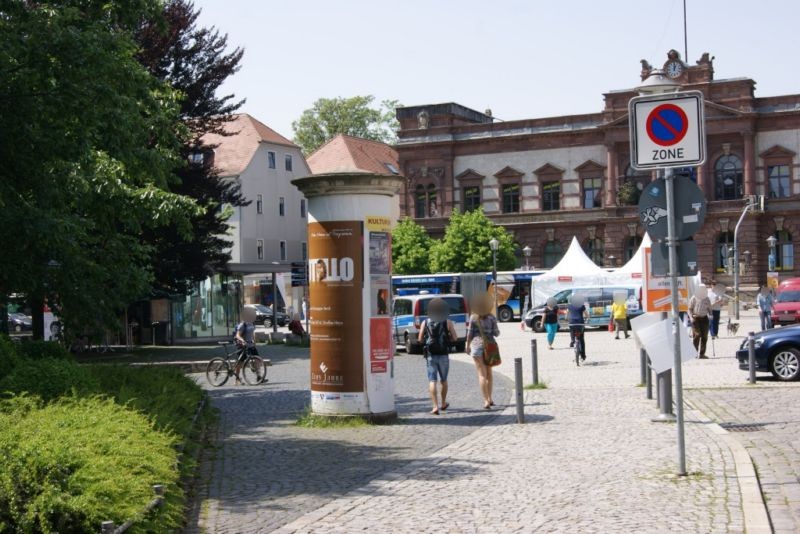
672 245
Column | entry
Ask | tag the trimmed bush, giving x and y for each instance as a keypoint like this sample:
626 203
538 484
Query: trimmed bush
69 465
8 356
36 350
164 393
48 378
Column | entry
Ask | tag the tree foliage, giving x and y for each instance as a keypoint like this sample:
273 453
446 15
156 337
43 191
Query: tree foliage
465 246
410 248
88 144
355 116
195 62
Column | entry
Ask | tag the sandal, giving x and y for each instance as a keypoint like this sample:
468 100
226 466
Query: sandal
435 412
487 406
491 403
445 406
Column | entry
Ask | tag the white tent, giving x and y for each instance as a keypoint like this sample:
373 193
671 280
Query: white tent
574 269
632 272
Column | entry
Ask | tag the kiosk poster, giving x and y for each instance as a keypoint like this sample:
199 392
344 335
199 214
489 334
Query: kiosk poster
380 344
336 279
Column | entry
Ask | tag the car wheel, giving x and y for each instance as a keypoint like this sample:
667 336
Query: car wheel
267 322
538 325
411 348
504 314
785 364
461 346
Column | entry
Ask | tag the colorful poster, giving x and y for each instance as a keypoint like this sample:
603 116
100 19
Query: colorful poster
380 344
336 272
657 295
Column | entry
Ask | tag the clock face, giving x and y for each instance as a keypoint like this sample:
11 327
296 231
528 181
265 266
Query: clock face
674 69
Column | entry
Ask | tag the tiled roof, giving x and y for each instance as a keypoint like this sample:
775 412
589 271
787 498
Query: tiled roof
344 153
232 153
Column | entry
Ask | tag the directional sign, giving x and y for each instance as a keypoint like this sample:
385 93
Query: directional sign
667 130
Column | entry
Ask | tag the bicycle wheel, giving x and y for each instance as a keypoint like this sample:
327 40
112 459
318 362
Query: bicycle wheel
217 371
253 370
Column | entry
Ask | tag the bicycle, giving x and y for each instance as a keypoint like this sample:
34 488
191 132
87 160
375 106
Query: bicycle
253 368
577 330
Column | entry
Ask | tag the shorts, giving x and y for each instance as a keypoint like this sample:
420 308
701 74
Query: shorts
438 367
251 350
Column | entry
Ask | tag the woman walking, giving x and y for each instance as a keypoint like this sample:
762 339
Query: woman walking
551 321
482 327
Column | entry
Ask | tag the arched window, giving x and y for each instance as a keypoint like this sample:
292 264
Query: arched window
420 201
594 249
784 251
724 243
552 254
631 246
728 178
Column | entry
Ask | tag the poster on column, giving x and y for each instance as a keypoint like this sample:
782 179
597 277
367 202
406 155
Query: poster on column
336 277
380 267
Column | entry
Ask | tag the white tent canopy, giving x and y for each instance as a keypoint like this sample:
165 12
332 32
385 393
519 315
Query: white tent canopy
575 269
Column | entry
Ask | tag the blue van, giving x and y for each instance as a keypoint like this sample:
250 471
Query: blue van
409 311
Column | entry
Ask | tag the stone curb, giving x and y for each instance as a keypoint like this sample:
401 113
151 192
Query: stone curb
756 516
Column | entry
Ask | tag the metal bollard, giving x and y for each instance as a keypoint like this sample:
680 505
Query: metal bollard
751 349
648 380
519 390
664 381
107 527
642 366
534 361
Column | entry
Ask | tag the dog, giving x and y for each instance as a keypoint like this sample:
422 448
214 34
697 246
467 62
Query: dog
732 327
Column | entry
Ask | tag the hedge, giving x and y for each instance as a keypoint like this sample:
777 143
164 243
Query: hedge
68 465
48 378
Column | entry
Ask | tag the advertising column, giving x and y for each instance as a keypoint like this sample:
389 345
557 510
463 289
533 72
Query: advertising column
349 245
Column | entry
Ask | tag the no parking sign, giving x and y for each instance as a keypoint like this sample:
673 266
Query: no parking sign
667 130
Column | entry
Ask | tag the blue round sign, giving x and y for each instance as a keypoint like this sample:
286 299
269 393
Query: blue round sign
667 125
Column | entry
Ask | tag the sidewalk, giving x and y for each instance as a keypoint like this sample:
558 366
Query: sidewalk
589 459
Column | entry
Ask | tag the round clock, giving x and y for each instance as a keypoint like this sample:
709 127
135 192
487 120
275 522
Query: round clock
673 69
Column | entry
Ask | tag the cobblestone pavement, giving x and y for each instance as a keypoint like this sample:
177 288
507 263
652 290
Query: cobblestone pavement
774 447
589 459
265 472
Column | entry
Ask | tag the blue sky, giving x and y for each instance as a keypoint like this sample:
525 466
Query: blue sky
522 59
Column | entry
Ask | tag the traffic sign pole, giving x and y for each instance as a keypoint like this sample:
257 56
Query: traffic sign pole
672 244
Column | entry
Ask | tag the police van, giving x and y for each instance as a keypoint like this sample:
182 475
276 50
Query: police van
409 312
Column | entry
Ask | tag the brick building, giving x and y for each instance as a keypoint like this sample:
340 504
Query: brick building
548 179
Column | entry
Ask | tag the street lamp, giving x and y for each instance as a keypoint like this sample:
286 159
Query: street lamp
527 251
612 260
494 244
772 241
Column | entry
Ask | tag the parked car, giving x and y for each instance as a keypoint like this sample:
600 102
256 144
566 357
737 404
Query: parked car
777 352
264 315
19 322
410 311
598 303
787 303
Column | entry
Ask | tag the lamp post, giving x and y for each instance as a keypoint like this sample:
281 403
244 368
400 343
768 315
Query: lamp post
494 244
612 260
772 241
527 252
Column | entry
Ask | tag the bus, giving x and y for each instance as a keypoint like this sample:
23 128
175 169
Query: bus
513 287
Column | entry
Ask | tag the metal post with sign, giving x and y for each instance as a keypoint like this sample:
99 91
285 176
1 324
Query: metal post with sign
667 131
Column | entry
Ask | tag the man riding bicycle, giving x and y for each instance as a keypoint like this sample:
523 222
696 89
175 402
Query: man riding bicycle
577 315
245 339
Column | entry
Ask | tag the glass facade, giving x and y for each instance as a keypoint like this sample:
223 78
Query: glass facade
211 310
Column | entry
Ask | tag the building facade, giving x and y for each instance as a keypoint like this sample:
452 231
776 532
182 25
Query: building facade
549 179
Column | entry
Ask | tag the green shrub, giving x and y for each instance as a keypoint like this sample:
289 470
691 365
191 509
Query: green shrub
69 465
8 356
164 393
35 350
48 378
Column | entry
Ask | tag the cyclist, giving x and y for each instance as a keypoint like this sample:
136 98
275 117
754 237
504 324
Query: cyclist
245 339
577 317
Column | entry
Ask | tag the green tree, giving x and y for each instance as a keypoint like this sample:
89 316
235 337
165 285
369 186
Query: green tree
410 248
195 61
465 246
89 142
355 116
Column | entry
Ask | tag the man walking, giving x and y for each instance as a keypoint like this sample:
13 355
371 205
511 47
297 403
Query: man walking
699 310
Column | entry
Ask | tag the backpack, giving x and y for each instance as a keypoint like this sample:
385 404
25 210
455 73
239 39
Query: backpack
437 338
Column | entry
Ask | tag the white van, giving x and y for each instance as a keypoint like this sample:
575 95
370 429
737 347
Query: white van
410 311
